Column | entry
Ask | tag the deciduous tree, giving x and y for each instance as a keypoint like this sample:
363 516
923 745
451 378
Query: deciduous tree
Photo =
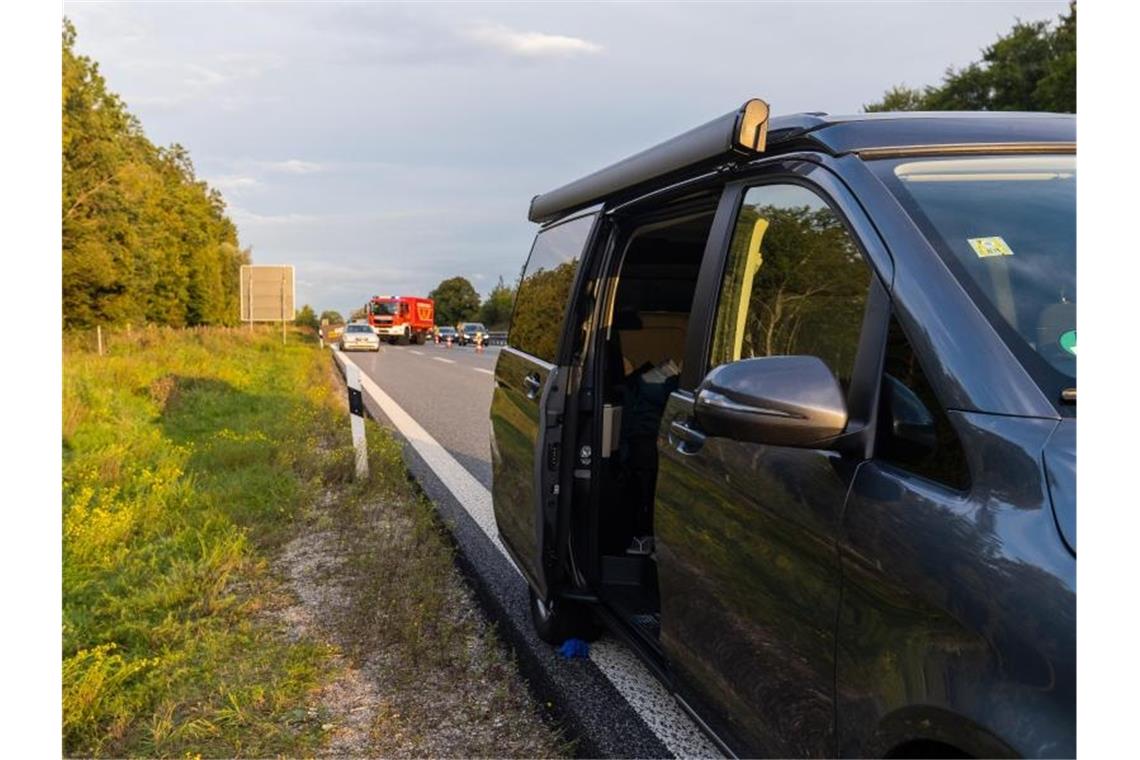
306 317
495 312
143 239
455 301
1032 68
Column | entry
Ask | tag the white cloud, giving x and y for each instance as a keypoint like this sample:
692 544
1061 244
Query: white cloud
529 44
232 182
293 166
244 217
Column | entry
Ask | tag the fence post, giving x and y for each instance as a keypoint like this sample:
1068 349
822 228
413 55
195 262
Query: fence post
283 307
99 339
356 415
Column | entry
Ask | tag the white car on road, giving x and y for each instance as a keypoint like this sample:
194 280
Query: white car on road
357 336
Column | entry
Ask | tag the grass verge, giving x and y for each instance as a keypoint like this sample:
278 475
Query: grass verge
193 463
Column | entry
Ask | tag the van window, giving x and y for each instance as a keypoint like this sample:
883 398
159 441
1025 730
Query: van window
795 282
545 288
945 460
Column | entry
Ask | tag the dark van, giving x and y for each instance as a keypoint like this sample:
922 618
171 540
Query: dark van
790 406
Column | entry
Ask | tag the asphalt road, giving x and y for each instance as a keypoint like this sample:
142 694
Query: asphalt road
448 391
438 399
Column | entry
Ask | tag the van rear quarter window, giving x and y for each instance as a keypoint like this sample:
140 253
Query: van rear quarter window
545 288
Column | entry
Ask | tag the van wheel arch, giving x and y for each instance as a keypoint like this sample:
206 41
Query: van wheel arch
926 748
930 732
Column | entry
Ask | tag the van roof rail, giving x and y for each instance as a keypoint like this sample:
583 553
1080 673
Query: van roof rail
737 134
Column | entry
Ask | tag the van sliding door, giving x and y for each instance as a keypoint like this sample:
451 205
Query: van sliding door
530 393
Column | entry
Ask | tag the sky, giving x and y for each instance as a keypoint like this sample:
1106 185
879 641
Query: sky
382 148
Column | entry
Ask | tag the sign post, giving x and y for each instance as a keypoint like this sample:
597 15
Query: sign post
356 415
268 294
283 307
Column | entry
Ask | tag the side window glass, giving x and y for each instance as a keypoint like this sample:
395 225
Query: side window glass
545 288
795 282
913 431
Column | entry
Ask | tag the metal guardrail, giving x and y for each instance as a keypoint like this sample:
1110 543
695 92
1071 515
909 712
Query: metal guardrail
497 338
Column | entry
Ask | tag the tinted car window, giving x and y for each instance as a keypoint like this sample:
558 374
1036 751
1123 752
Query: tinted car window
358 329
545 287
795 282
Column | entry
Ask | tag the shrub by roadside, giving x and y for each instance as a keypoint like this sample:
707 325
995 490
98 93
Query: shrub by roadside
197 469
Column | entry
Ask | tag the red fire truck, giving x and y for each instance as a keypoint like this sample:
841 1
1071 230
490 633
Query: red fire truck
403 319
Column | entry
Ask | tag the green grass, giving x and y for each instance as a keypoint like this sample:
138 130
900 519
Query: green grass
187 459
191 459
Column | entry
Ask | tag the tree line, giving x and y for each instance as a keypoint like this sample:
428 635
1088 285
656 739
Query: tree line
456 300
144 240
1032 68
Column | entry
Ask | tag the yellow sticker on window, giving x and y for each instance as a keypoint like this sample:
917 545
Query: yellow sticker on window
990 246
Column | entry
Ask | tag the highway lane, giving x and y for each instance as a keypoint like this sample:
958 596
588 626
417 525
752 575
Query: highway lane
448 391
610 704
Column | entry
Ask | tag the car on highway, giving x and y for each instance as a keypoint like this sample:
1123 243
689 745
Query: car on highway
471 332
447 332
359 336
789 405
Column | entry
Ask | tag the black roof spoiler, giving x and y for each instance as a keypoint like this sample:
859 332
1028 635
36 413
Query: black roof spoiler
741 133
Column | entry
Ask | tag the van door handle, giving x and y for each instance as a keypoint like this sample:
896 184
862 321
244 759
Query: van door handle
533 385
685 439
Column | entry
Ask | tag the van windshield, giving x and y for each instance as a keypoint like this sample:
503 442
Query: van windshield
1006 227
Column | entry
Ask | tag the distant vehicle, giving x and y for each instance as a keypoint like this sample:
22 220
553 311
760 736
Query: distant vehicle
401 319
469 332
359 335
791 406
447 331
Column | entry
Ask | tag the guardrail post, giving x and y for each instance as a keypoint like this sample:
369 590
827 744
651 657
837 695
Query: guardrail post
99 339
356 415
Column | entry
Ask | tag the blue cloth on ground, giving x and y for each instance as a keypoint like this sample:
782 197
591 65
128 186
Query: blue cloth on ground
572 648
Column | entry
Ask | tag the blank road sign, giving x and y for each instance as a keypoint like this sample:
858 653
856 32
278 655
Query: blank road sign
267 293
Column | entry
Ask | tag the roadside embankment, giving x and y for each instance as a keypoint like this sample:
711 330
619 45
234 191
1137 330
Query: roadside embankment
228 590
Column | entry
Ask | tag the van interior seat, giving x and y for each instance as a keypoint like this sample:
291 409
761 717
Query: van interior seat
659 337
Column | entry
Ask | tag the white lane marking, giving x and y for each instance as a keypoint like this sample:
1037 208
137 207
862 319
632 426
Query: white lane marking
484 371
417 353
441 359
645 694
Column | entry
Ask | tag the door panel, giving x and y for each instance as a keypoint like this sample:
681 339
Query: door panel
749 585
746 533
519 380
525 388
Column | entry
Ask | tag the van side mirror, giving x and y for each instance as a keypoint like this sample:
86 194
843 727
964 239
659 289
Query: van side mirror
780 400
